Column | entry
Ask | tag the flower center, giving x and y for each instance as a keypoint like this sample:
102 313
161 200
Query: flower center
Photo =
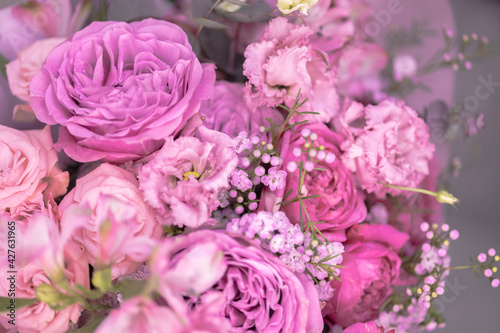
189 173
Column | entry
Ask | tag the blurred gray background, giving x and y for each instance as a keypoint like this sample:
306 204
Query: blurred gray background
476 307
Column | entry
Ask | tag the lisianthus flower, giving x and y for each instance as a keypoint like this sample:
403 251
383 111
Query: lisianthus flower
385 144
117 223
368 327
283 63
118 89
289 6
28 167
183 180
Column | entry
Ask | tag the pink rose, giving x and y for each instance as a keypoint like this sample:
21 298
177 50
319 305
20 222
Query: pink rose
183 179
368 327
28 167
390 146
260 292
21 70
39 317
96 192
371 266
339 204
227 112
283 63
119 89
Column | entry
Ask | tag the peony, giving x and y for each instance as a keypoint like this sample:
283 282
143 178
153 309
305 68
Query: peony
283 63
371 266
386 143
183 179
227 112
105 193
21 70
119 89
339 204
260 292
28 167
32 271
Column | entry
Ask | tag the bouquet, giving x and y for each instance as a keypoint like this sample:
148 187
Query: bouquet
228 166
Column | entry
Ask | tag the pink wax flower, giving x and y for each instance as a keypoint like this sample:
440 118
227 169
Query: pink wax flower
339 205
260 292
183 180
39 317
371 267
119 89
21 70
284 62
111 195
368 327
391 146
28 167
227 112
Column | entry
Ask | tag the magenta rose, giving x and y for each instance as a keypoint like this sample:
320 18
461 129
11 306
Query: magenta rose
260 292
371 267
119 89
339 205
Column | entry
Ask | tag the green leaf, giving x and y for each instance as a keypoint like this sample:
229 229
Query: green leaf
209 23
3 63
5 302
50 295
130 288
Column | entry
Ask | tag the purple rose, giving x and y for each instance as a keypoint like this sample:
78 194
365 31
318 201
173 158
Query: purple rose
260 292
119 89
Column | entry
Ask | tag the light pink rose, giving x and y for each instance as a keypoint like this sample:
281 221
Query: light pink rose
39 317
284 62
21 70
339 205
227 112
28 167
104 192
372 266
183 179
385 144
